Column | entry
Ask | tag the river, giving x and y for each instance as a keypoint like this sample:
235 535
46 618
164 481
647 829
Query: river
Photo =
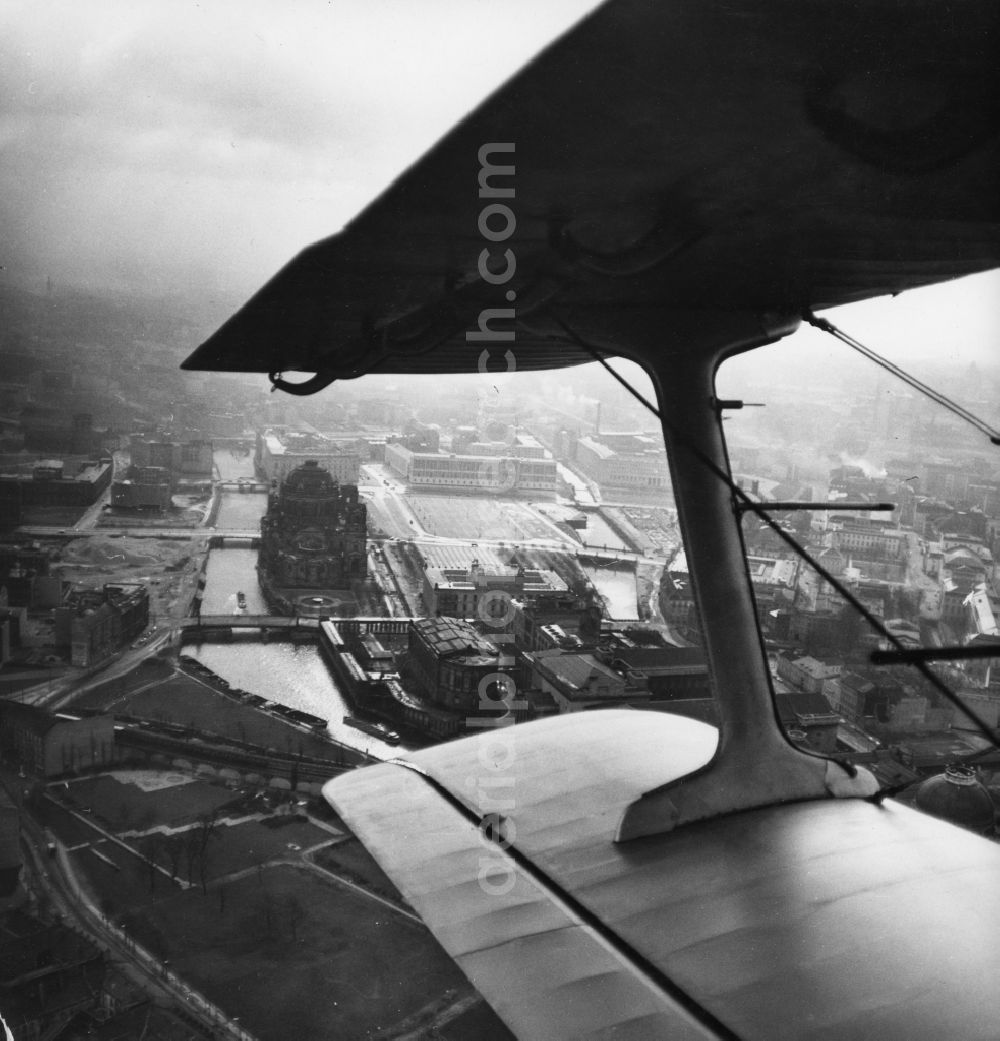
618 587
292 674
598 534
241 511
295 674
232 571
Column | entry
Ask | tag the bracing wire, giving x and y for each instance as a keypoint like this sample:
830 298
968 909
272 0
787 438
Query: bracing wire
936 396
760 511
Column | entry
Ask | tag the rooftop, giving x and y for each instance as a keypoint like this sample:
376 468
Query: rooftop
647 659
805 707
577 671
771 571
299 443
814 667
602 451
451 636
985 607
531 580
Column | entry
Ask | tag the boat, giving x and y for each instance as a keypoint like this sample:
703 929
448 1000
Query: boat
378 730
241 601
295 715
306 719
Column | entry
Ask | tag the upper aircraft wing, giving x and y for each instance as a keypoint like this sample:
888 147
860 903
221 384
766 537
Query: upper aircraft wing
747 156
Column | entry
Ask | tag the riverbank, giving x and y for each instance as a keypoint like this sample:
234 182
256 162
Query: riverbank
163 693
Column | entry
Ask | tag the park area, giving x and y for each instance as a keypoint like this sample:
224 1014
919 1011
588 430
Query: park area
295 954
274 928
184 829
125 800
285 947
349 859
263 903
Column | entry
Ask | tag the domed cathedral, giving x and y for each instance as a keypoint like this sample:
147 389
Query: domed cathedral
959 796
313 536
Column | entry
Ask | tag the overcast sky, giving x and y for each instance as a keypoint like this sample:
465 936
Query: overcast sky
146 142
168 145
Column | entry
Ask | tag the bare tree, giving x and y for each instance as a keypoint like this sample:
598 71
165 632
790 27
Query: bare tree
265 910
150 846
122 817
295 914
175 850
197 842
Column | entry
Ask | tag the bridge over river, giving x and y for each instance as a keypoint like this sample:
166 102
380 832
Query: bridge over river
243 486
374 625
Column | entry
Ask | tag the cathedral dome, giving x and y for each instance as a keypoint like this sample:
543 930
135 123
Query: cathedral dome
957 796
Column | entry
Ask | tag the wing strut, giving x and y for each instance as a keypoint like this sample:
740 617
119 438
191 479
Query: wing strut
755 764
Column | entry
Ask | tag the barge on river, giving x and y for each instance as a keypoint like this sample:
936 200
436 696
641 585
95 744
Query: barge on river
379 730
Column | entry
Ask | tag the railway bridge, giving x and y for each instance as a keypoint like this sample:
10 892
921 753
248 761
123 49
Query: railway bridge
376 625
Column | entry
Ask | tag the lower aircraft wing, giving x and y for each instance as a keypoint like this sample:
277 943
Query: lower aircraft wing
828 920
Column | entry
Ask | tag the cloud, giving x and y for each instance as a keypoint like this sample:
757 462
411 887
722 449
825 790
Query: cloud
228 134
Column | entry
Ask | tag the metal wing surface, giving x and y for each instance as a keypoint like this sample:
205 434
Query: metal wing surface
819 920
740 156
